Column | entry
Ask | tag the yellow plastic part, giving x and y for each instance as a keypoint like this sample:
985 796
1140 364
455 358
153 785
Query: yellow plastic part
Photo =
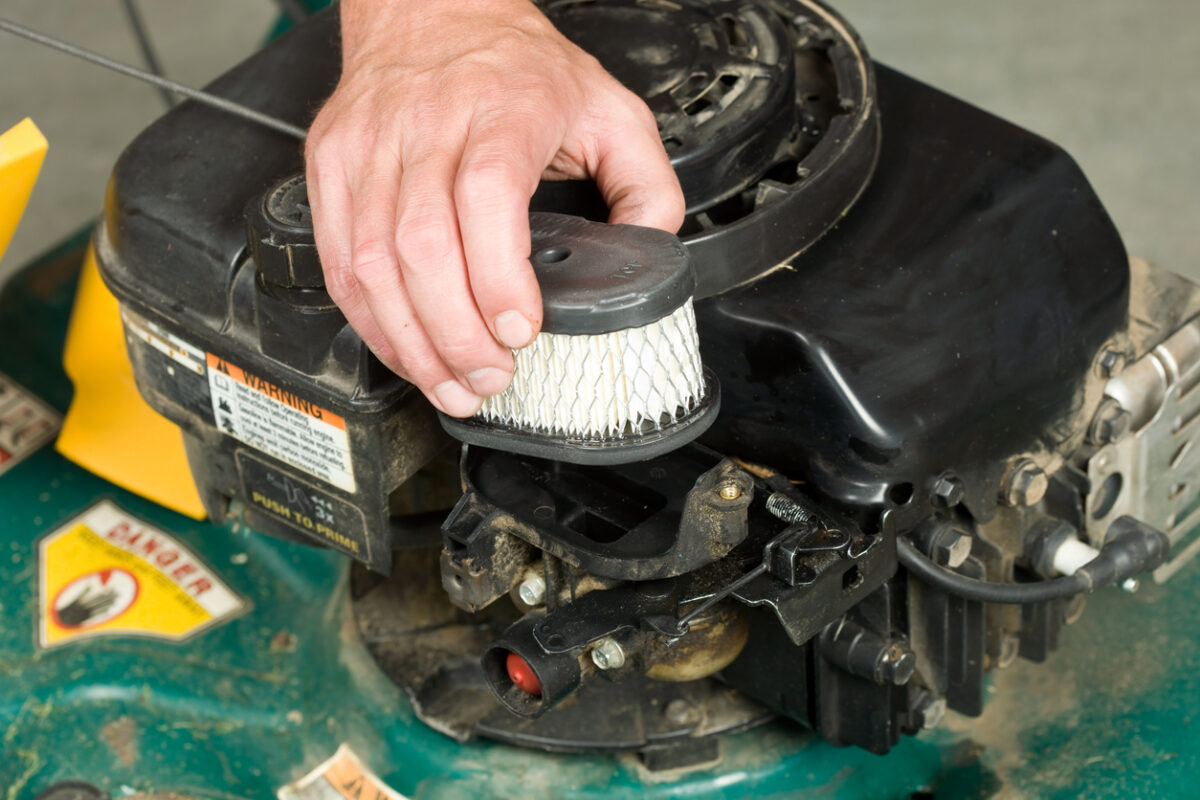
109 428
22 150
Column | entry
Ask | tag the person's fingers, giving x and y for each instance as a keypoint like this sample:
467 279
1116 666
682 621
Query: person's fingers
635 175
499 171
377 274
431 258
329 191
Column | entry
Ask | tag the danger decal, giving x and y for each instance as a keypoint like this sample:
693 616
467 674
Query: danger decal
342 777
107 573
26 423
280 423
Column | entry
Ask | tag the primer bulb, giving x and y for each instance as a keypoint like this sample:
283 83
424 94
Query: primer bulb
615 375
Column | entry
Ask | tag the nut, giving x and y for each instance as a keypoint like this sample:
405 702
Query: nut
947 492
1026 484
607 654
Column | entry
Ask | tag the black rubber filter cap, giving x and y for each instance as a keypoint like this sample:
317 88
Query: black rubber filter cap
598 278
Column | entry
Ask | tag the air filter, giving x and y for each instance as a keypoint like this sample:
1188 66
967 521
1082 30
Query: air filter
615 375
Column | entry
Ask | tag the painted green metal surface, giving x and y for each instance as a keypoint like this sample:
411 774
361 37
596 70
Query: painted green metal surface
257 702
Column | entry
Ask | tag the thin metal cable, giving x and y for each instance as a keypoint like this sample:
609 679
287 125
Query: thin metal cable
228 106
138 26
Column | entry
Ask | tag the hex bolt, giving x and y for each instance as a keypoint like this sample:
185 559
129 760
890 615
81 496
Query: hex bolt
532 590
1026 484
730 491
947 492
951 547
1131 585
1110 423
1110 362
607 654
897 665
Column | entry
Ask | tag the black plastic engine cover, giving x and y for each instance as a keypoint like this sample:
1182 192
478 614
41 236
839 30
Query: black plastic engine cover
948 322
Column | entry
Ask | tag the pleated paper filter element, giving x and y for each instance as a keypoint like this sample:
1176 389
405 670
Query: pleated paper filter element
615 375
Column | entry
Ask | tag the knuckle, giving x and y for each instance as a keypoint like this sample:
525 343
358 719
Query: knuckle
462 353
424 239
488 184
372 264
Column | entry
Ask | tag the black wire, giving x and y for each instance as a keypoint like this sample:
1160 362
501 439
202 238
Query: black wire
926 571
228 106
143 39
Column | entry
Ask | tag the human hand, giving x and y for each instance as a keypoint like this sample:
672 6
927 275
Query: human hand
422 164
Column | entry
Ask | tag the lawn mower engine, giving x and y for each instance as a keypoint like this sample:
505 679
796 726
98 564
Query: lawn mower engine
934 403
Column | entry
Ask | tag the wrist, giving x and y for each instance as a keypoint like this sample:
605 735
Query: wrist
368 24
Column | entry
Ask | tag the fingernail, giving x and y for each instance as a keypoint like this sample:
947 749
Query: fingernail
456 400
514 330
489 381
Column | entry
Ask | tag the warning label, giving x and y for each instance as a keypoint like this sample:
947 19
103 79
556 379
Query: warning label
342 777
26 423
179 351
278 422
107 573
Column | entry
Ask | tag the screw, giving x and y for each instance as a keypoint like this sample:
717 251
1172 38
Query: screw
1110 362
1026 485
532 590
607 654
730 491
947 492
1131 585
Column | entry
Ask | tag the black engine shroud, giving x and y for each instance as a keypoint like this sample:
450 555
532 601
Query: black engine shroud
939 320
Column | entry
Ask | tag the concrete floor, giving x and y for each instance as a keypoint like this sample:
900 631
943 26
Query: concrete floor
1116 83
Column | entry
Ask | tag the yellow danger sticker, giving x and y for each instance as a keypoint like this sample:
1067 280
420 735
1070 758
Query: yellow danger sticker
342 777
107 573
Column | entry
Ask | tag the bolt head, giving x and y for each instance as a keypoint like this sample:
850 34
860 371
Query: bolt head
532 590
947 492
951 548
1110 362
898 665
607 654
1110 424
1027 484
730 491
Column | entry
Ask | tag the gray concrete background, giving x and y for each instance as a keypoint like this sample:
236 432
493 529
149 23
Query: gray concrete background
1117 83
